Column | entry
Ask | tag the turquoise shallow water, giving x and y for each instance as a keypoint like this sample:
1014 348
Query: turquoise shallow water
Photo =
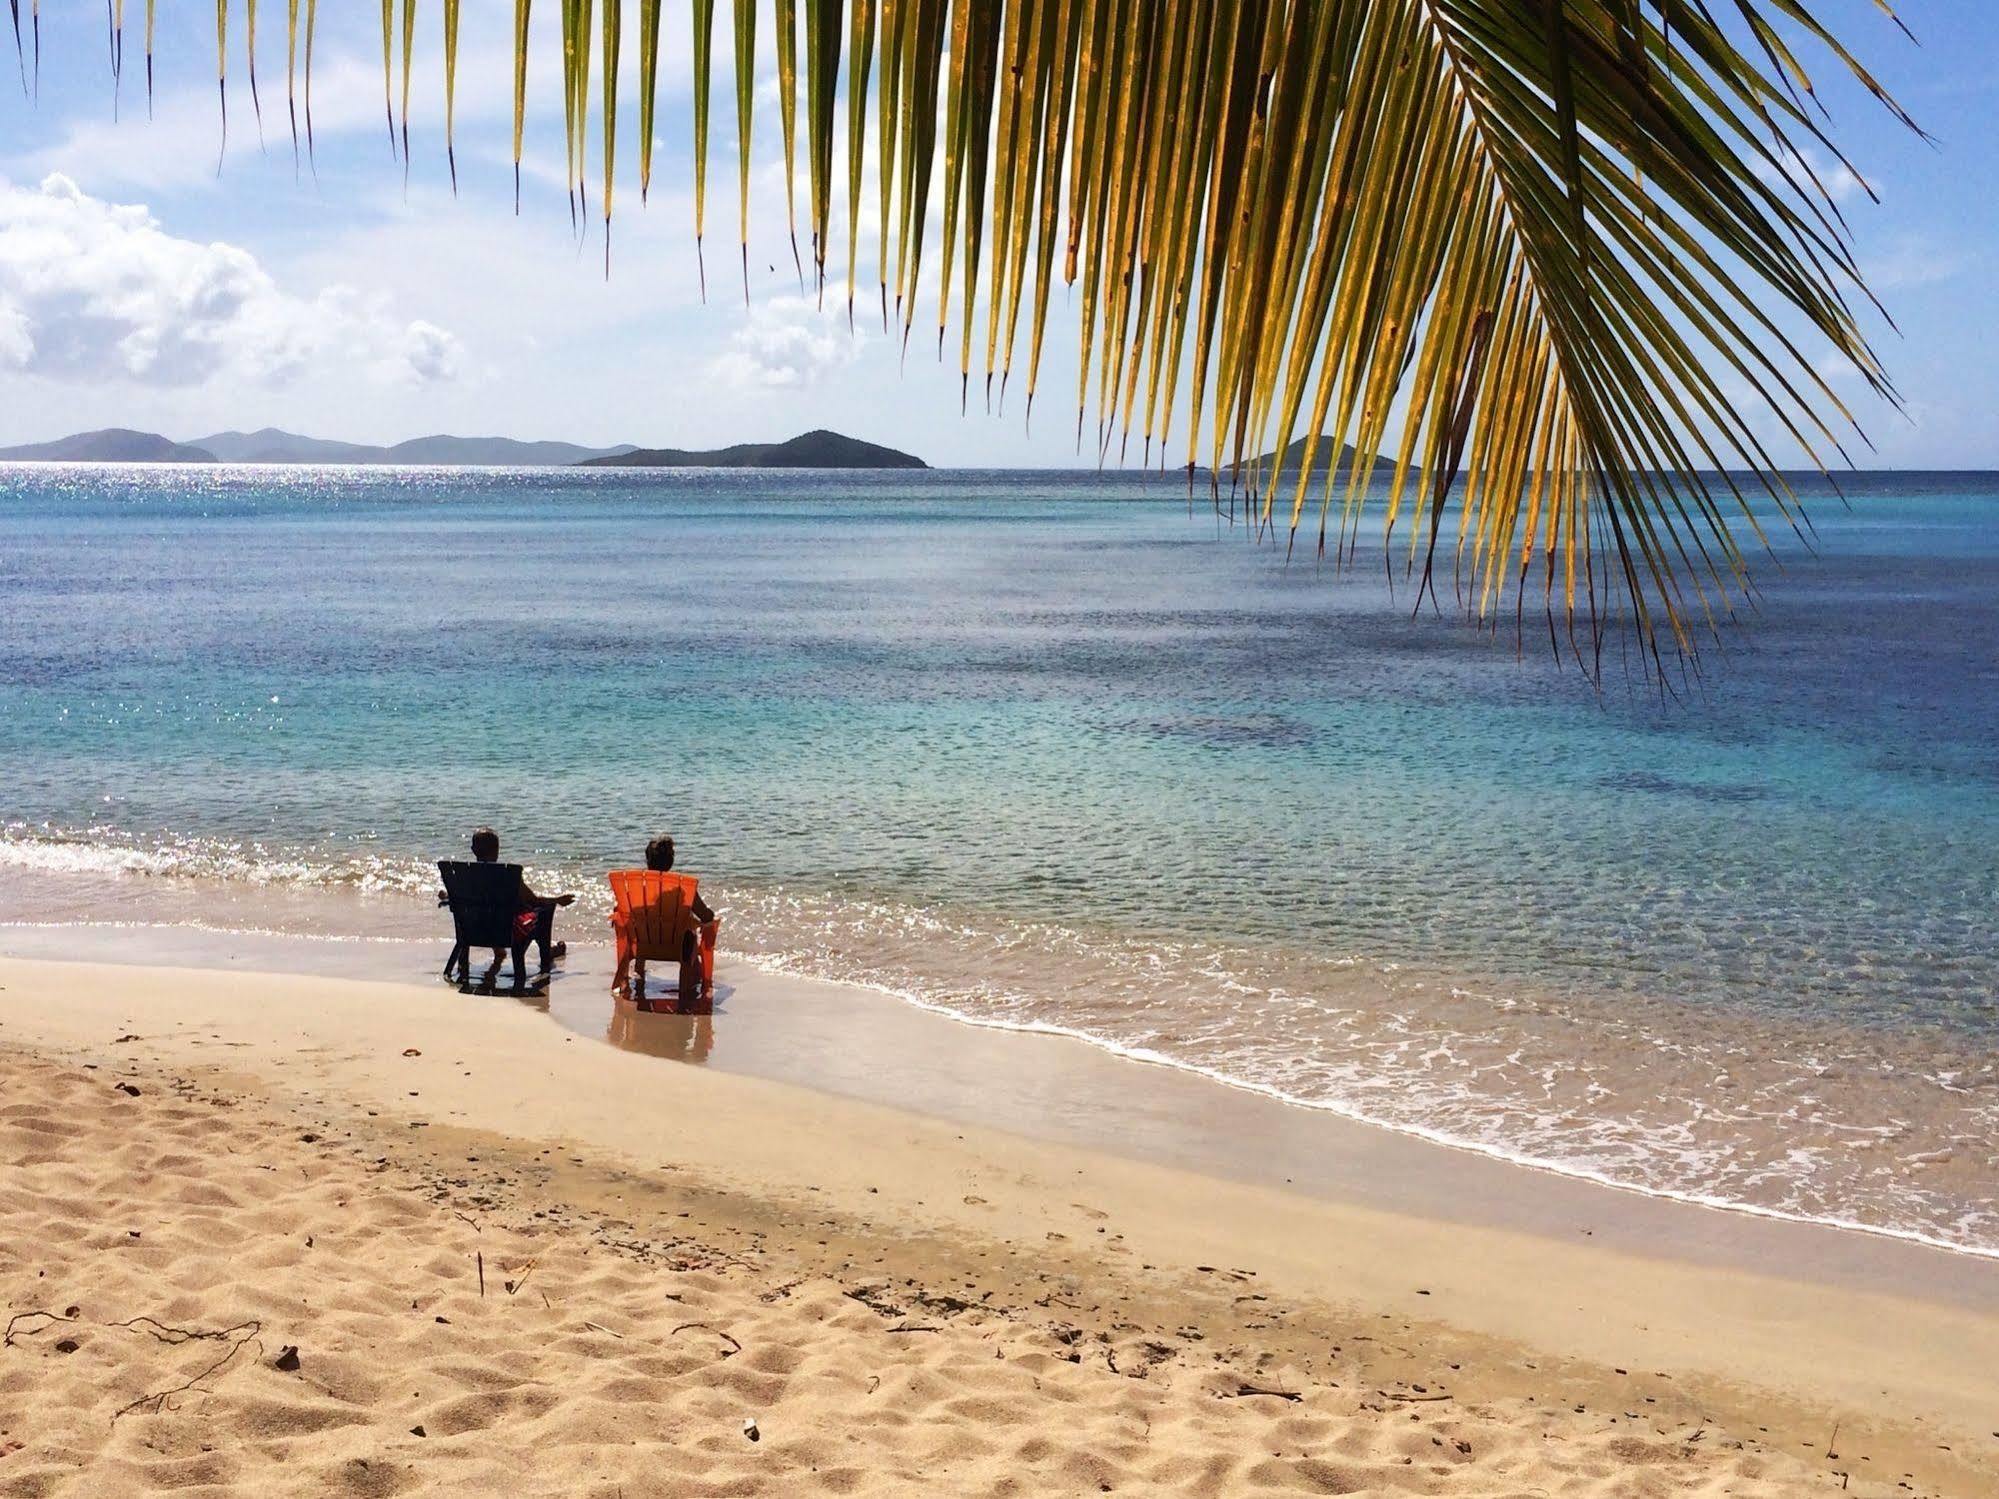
1047 751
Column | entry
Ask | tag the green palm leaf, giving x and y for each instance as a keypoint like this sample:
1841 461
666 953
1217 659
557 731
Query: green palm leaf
388 68
450 87
704 62
613 33
250 53
787 115
409 50
746 90
291 75
311 24
522 11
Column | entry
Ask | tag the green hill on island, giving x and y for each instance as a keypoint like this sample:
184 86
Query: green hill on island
818 449
108 445
1329 450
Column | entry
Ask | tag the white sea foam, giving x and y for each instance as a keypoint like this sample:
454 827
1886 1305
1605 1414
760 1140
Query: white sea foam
1854 1130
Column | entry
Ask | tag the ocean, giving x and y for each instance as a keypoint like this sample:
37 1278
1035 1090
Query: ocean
1059 751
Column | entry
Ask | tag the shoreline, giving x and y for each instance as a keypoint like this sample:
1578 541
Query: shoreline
1426 1135
1928 1194
782 1017
1905 1362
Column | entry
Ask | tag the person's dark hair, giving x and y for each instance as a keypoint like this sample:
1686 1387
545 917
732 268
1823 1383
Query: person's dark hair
659 854
485 845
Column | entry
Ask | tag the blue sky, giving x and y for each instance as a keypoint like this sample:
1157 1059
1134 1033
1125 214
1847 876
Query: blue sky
142 289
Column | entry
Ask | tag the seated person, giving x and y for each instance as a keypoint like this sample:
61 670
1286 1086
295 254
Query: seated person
659 859
535 921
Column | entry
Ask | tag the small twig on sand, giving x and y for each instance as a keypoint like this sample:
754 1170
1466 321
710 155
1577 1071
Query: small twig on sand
480 1256
158 1402
1416 1399
1250 1389
513 1286
909 1327
173 1337
19 1317
734 1346
1832 1442
600 1327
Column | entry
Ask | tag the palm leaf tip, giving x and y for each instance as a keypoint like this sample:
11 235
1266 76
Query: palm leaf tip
250 55
291 77
451 90
388 70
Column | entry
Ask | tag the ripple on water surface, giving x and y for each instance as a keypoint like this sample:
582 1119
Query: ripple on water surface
1045 752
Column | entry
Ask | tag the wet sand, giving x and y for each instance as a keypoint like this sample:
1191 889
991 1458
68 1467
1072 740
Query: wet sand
276 1109
861 1044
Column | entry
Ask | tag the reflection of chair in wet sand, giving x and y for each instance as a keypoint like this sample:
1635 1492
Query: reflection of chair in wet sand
655 919
678 1038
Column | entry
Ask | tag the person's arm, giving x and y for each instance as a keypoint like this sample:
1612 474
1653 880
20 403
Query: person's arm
701 912
529 898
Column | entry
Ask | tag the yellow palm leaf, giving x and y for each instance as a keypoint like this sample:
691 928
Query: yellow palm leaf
1559 269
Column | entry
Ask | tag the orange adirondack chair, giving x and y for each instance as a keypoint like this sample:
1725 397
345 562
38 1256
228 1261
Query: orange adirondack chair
654 915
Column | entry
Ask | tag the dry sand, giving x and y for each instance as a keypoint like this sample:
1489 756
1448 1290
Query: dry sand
202 1170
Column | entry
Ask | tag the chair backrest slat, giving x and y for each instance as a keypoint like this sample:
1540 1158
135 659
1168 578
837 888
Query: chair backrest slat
657 909
484 899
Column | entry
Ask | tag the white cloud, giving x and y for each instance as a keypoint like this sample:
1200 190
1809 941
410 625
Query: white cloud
788 343
1909 260
1800 169
1841 185
17 344
430 352
95 291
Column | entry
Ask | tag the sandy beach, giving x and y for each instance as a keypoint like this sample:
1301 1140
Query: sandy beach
506 1256
1403 906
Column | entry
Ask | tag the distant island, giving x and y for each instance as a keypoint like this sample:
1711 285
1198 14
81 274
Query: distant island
109 445
820 449
275 446
1322 460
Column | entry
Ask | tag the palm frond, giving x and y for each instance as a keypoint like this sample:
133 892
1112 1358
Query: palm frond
450 89
704 47
523 10
746 88
1564 267
291 75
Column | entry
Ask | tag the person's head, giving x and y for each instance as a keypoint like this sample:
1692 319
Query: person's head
485 845
659 854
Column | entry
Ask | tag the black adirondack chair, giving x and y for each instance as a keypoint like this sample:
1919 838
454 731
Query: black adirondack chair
483 899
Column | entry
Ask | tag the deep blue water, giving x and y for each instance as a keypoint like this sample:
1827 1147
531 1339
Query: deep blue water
1046 749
